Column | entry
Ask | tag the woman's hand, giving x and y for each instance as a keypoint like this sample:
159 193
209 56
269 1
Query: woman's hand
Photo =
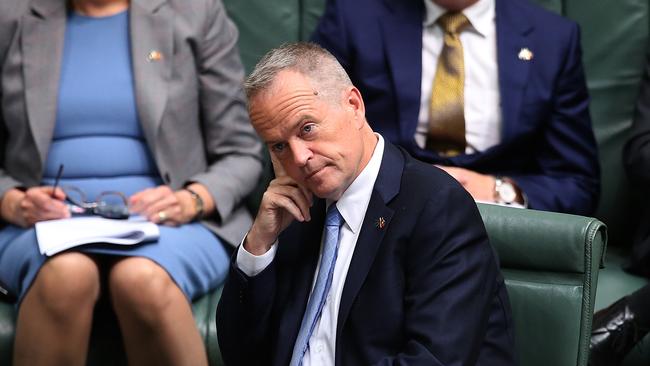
162 205
36 204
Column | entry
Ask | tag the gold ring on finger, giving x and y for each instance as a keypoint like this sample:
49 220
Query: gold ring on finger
162 216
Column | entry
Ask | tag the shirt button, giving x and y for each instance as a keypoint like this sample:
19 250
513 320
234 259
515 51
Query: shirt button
319 349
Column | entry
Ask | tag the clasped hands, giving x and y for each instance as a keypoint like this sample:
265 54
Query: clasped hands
480 186
160 205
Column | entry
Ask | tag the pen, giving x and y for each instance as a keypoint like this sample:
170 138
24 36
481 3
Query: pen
56 180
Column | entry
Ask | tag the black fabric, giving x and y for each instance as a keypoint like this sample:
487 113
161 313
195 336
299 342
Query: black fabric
639 303
636 158
422 290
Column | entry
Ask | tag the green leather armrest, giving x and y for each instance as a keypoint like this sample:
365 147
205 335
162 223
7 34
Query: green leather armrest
543 241
205 316
550 263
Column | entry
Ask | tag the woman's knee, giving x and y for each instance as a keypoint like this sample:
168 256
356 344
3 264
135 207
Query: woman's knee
67 283
142 287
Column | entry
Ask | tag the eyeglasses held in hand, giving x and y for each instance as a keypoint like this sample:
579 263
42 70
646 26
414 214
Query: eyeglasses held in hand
109 204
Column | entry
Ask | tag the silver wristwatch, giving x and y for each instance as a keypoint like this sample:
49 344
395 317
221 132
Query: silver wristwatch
504 191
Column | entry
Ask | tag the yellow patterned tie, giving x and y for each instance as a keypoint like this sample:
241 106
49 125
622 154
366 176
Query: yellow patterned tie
447 120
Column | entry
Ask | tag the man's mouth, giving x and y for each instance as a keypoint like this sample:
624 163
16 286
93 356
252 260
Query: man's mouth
313 173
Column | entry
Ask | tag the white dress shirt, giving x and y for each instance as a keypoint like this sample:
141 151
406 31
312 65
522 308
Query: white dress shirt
482 99
352 205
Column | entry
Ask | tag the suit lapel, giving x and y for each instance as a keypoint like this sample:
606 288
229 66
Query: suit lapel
372 233
43 34
512 36
151 31
305 249
402 35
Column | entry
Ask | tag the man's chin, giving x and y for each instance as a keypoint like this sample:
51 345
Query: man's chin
324 192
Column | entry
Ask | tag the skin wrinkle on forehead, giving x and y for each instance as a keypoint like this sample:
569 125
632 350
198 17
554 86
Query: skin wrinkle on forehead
272 106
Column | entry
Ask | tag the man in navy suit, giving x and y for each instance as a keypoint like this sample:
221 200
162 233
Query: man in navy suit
527 124
402 273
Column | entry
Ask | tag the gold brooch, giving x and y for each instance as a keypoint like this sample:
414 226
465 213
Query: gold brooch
154 56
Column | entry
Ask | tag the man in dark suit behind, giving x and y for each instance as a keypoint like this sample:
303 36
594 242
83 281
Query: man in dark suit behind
403 272
524 123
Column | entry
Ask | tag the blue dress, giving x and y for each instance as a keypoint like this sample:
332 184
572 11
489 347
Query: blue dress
99 140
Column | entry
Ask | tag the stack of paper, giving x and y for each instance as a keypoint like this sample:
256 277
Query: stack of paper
58 235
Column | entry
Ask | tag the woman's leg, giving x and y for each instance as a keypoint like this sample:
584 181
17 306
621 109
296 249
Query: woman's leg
154 315
55 316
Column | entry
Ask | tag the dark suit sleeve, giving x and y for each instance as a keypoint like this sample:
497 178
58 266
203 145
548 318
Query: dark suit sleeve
243 316
636 154
331 33
232 147
452 281
569 178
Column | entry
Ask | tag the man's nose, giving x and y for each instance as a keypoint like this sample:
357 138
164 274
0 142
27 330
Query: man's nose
301 153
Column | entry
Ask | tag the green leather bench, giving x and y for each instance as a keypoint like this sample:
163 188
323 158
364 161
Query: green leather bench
550 263
615 35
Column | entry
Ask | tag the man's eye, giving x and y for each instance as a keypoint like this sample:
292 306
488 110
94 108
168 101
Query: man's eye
278 148
308 128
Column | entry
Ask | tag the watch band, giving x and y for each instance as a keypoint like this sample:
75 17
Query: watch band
198 203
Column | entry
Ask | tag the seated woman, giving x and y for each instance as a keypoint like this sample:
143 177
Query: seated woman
142 97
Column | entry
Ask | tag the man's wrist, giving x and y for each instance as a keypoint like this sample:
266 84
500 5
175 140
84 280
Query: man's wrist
506 191
257 245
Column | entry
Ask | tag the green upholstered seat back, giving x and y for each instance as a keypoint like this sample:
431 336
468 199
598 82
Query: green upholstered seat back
550 264
614 38
264 25
614 41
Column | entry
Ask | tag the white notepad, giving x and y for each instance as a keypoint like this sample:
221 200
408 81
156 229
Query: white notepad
55 236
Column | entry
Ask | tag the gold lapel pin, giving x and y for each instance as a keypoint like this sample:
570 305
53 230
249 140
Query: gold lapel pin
525 54
154 56
380 223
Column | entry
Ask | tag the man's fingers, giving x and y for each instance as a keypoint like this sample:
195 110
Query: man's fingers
289 205
288 181
278 169
297 198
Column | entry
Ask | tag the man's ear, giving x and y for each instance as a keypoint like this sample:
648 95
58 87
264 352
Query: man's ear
354 102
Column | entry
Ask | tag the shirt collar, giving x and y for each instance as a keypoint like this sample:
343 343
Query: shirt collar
353 203
480 15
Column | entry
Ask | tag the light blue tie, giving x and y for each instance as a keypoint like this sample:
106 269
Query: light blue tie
318 296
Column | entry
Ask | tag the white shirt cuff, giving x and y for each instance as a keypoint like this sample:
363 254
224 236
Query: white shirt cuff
514 204
252 264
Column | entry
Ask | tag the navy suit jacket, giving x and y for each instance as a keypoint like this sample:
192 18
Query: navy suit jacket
547 144
423 290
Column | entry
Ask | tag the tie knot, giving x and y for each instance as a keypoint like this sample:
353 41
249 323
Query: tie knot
453 22
334 217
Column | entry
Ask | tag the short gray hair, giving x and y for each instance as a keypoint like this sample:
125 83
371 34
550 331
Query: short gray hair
309 59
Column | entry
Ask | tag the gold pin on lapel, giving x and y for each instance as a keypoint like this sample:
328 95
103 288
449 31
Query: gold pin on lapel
380 223
525 54
154 55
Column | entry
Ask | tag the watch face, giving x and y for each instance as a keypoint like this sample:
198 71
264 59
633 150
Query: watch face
507 192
